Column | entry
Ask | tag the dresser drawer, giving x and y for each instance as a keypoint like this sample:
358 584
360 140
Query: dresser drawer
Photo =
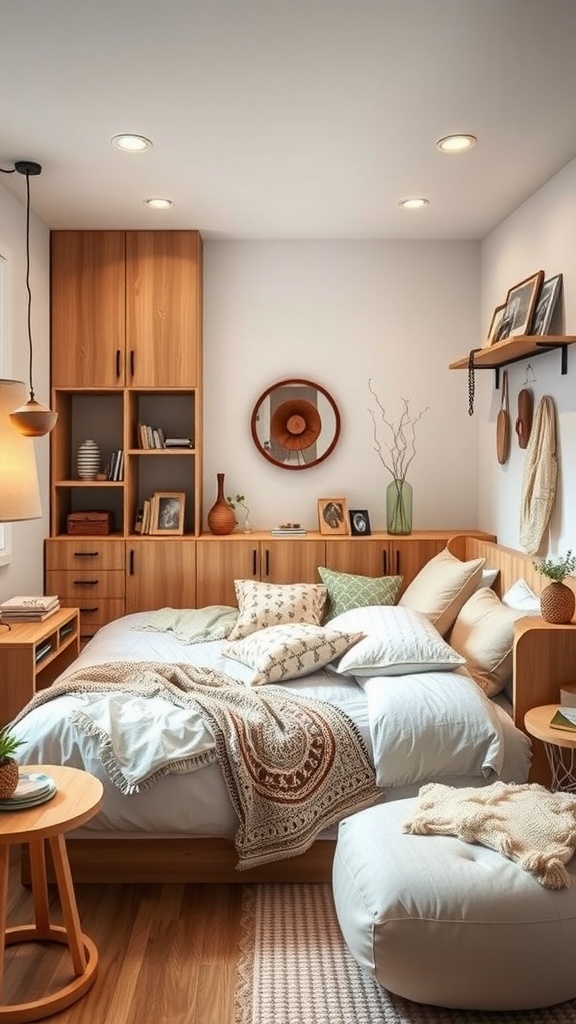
92 553
85 584
96 613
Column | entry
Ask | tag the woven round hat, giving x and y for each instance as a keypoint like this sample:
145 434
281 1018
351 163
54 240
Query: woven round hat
296 424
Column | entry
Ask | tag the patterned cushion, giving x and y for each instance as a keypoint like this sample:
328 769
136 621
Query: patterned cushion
346 590
270 604
442 587
288 651
397 641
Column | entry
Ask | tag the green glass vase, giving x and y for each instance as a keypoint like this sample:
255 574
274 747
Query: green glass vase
399 507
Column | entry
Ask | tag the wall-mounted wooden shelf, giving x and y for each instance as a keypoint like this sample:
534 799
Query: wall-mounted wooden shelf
511 350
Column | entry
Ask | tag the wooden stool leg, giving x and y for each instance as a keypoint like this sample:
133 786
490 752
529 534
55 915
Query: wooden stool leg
4 861
68 902
39 887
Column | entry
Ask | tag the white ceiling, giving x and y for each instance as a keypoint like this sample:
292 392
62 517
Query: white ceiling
287 119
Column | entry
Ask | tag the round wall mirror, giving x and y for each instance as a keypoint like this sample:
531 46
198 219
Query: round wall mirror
295 424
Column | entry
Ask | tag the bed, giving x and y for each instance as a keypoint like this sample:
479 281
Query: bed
172 806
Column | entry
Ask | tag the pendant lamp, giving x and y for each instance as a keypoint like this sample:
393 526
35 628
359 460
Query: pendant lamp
31 419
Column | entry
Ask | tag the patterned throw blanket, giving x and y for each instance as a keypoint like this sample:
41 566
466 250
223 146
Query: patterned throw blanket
526 823
293 766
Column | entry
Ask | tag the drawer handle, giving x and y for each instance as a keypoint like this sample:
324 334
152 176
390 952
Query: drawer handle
86 554
385 562
86 583
94 609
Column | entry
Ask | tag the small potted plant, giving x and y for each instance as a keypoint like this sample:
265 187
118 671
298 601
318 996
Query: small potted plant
240 500
557 600
8 766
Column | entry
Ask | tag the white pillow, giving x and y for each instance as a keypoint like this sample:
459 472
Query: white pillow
484 635
279 653
521 598
270 604
441 588
397 641
488 577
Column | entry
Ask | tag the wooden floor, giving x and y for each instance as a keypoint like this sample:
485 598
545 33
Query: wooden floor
168 954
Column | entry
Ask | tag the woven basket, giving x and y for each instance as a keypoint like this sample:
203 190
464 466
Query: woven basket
557 603
8 779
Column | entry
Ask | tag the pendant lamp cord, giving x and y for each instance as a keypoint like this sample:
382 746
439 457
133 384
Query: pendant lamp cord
12 170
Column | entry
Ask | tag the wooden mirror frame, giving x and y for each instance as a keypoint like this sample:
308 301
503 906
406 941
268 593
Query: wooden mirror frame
322 427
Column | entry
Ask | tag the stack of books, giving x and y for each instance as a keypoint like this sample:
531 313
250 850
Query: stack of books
288 530
28 609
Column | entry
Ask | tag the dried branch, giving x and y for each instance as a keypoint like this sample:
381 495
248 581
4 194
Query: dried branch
397 448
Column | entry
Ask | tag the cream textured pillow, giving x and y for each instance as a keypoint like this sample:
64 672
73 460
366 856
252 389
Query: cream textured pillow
397 641
484 634
279 653
441 587
270 604
347 590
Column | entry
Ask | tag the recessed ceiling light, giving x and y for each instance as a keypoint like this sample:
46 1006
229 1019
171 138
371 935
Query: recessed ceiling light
158 203
413 202
456 143
131 143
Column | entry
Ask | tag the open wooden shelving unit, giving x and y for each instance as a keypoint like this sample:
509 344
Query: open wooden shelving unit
512 350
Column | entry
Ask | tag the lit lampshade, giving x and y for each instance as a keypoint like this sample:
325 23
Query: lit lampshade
19 491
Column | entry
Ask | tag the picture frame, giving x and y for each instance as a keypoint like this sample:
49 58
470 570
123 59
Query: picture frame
498 326
359 522
167 513
333 516
546 305
521 303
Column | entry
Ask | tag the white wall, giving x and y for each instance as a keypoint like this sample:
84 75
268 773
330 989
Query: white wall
339 313
24 574
540 235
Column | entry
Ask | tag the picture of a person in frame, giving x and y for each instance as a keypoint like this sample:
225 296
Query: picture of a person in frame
169 514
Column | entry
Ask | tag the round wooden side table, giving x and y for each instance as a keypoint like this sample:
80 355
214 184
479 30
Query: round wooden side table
559 744
78 797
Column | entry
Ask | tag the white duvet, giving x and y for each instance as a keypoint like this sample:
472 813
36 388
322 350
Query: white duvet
433 726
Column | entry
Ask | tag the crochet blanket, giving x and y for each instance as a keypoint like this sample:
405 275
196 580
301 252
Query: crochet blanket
526 823
293 766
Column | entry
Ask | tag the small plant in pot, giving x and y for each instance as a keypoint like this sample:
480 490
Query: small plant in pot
8 765
240 501
557 600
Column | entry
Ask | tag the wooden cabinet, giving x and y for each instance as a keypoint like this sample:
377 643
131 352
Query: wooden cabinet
32 655
126 350
126 308
382 555
221 560
160 574
89 574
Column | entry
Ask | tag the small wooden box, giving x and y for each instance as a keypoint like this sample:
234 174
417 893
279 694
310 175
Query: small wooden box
81 524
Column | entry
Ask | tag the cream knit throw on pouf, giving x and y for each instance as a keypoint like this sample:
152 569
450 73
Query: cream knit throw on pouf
526 823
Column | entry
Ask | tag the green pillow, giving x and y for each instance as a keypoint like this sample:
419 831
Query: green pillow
346 591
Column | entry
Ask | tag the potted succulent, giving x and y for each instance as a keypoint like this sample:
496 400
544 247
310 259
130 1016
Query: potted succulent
557 600
8 766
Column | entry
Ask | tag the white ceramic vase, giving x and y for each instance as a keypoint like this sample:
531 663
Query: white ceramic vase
88 460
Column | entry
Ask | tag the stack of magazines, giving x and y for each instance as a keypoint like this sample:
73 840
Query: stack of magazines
28 609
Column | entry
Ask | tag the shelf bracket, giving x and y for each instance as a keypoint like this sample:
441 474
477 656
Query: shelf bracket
497 377
564 360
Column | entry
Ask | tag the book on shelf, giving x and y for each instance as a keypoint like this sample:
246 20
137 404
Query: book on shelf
146 516
177 442
28 616
30 603
564 718
288 531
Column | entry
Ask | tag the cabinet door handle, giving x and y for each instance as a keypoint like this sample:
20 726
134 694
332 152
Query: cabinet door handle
118 363
385 562
131 562
397 561
131 362
254 561
94 609
86 554
267 563
86 583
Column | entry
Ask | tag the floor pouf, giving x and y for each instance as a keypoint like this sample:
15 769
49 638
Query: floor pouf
453 924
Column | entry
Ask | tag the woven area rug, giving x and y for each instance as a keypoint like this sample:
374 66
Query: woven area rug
295 969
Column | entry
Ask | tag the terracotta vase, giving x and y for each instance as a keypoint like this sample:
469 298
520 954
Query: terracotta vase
221 518
557 603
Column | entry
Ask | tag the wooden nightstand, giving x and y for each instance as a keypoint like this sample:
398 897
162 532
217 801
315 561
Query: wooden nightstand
559 744
77 799
32 655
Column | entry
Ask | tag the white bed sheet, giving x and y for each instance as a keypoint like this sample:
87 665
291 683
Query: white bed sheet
197 803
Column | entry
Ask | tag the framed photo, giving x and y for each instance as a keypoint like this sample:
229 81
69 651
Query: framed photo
547 301
521 303
498 325
333 516
167 515
359 522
